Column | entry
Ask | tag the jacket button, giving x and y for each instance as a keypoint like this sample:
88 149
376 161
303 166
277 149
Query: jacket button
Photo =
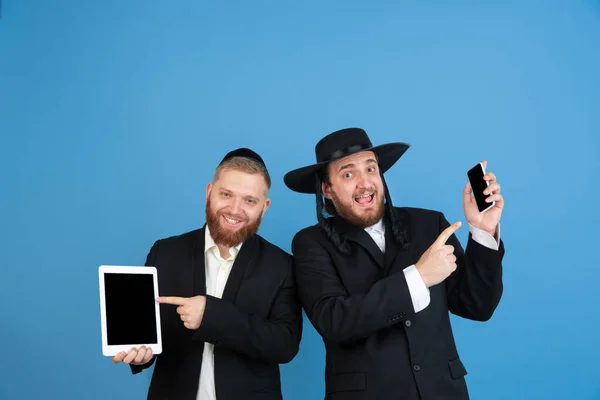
417 367
408 323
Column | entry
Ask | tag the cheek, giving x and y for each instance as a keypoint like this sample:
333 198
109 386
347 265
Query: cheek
343 196
217 203
253 213
348 192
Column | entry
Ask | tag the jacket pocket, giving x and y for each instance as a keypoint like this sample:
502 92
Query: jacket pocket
457 369
346 382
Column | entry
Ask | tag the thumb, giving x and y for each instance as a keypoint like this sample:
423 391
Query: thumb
468 190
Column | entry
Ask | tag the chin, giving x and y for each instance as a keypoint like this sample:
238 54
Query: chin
369 215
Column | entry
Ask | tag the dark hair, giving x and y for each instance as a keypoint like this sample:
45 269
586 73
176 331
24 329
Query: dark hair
326 206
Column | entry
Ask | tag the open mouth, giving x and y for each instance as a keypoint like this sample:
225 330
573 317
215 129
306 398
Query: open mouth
231 221
365 200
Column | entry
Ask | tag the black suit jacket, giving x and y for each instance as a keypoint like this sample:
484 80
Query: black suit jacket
377 347
256 326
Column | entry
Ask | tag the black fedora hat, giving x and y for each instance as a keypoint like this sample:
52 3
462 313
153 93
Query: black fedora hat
340 144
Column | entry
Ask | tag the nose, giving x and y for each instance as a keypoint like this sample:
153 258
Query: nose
236 205
364 181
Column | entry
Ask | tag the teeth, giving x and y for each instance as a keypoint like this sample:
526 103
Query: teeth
231 221
365 195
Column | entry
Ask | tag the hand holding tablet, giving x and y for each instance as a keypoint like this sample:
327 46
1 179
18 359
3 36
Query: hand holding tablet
135 356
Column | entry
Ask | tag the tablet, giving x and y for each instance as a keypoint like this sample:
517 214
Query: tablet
129 312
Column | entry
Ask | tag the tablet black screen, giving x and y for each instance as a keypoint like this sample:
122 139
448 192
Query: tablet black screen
130 309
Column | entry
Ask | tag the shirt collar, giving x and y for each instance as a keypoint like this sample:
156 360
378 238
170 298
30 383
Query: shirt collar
209 244
377 227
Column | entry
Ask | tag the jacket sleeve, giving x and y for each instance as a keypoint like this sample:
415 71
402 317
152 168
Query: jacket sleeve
275 339
474 289
150 259
338 316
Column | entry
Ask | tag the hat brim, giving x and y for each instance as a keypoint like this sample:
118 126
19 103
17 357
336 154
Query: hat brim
303 180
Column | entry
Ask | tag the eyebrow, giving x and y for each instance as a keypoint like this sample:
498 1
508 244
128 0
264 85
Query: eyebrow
346 166
249 196
351 165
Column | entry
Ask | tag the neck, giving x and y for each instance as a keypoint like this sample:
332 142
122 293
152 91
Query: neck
224 251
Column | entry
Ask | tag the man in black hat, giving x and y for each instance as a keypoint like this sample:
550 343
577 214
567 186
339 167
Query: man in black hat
229 308
378 282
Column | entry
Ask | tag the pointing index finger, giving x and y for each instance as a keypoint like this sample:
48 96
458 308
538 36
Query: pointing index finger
178 301
446 233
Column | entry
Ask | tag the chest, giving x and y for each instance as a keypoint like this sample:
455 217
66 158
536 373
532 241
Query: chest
216 272
250 284
361 268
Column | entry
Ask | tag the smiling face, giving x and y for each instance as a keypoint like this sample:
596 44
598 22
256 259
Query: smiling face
355 187
235 204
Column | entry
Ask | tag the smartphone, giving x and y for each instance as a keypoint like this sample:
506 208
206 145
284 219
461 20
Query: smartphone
478 184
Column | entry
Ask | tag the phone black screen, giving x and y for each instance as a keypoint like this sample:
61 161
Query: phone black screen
130 309
475 175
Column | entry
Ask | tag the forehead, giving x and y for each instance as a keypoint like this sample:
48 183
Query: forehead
242 183
362 157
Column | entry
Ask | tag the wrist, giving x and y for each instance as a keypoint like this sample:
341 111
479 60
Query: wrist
423 276
493 231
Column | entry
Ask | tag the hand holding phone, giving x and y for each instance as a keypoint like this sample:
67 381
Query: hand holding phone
478 184
483 210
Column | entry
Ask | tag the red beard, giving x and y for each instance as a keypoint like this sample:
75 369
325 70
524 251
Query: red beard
227 237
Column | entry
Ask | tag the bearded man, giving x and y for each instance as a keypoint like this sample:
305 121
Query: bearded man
378 282
229 308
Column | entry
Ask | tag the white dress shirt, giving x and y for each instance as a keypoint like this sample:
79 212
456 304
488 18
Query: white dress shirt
419 293
217 272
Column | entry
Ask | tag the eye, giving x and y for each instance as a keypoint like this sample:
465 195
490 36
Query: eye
372 169
224 194
348 175
251 201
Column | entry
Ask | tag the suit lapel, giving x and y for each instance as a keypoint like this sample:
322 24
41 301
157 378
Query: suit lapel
244 261
199 281
361 237
392 249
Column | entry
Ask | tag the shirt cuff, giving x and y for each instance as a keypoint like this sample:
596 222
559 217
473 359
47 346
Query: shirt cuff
484 238
419 293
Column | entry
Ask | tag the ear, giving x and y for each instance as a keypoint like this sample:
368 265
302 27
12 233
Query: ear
208 189
267 204
326 189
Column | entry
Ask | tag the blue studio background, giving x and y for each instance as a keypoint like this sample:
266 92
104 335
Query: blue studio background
113 115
